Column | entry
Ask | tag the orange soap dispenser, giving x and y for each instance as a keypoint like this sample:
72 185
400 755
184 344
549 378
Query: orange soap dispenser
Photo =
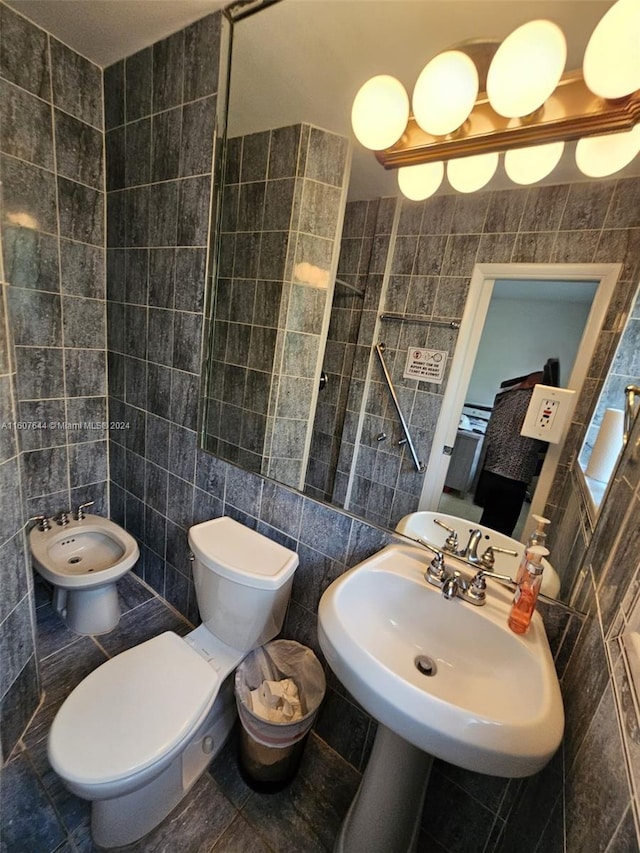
526 594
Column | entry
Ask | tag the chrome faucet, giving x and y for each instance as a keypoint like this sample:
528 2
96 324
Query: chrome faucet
454 586
79 514
470 553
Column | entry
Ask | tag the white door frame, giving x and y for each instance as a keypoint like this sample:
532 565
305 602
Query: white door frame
471 328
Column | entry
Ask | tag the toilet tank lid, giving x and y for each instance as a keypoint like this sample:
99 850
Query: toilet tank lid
242 555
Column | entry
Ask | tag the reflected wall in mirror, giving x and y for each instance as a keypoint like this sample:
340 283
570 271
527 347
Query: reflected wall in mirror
604 438
381 255
282 210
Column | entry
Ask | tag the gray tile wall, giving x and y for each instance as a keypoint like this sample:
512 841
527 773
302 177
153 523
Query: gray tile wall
160 108
601 761
342 337
257 206
19 687
435 248
625 370
381 247
282 211
51 144
312 259
162 483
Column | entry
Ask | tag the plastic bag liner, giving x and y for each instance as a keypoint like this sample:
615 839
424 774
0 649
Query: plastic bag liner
274 661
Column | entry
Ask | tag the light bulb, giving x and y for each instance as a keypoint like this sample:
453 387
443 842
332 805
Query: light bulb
611 65
380 112
599 156
445 92
529 165
420 182
469 174
526 68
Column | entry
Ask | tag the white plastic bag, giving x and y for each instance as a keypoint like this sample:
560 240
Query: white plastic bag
275 661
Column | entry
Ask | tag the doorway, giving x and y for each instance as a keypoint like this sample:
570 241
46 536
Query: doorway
509 280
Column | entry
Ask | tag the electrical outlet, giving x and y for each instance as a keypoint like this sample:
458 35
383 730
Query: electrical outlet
549 413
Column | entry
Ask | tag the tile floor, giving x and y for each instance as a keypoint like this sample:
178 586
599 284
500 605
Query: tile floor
221 814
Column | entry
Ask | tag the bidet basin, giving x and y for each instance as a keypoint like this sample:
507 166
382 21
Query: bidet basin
83 560
422 525
447 677
83 553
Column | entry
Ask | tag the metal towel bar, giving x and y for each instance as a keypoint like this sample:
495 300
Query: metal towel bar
380 348
421 321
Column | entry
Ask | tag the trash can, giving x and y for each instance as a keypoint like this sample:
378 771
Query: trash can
270 751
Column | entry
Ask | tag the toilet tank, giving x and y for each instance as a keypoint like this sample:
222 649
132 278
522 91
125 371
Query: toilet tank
242 581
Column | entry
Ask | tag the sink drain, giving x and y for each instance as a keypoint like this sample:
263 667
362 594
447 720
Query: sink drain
426 665
74 559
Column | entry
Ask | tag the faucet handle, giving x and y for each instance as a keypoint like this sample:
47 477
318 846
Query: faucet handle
451 542
435 571
43 522
488 559
79 514
476 591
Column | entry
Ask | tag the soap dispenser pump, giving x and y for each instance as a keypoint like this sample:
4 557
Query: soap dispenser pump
539 535
527 589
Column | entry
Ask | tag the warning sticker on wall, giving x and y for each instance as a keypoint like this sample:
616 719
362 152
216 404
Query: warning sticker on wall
425 364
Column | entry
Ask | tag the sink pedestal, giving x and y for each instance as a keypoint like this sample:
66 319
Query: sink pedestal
384 816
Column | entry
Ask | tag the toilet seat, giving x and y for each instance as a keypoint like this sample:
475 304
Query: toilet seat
132 711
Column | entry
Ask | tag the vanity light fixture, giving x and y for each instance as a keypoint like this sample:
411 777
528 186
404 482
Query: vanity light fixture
523 103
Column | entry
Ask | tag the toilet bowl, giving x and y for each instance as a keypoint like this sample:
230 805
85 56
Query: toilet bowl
138 732
83 561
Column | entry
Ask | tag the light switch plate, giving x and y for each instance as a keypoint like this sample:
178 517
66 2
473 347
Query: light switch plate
549 413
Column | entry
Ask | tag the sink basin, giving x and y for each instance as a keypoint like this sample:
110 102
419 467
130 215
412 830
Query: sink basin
492 702
421 525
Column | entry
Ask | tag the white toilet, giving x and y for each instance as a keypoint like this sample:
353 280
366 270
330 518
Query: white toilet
138 732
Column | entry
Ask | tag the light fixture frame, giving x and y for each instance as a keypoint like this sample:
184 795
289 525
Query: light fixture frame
582 114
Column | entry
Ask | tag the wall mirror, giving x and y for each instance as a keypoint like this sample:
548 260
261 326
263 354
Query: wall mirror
314 245
614 414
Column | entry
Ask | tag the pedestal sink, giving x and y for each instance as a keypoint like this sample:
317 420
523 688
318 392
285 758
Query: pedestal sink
443 678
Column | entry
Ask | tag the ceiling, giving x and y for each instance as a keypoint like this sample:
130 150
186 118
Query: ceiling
304 60
107 30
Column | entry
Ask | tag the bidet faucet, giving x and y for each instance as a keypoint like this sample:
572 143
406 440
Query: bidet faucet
79 514
43 522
